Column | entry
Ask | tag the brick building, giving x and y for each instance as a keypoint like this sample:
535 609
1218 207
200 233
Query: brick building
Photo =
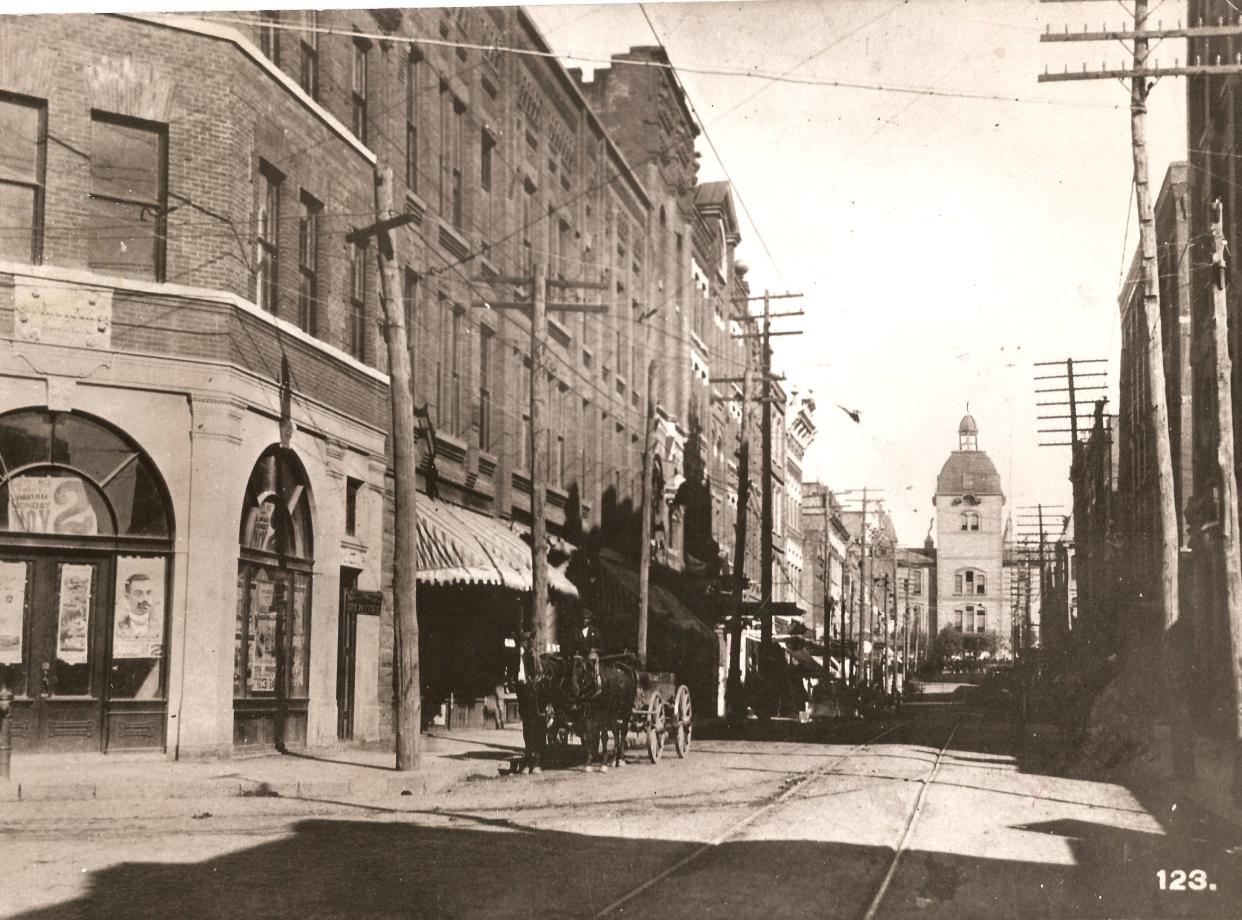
175 276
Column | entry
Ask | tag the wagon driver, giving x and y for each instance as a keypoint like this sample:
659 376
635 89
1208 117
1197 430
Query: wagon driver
588 647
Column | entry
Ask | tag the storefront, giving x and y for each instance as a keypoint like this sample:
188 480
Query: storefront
271 644
86 537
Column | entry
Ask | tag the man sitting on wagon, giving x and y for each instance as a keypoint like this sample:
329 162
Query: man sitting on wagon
586 642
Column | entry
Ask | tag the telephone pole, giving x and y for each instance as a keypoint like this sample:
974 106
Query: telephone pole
405 465
644 508
1229 481
1172 649
537 306
734 707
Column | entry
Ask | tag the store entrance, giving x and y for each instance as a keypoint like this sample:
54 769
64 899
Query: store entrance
57 700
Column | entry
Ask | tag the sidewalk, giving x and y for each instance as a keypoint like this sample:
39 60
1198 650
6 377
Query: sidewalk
1213 780
448 759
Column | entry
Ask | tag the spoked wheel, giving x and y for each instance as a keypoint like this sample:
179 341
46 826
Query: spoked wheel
657 729
683 713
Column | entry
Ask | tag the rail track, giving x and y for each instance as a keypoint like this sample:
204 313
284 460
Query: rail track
790 792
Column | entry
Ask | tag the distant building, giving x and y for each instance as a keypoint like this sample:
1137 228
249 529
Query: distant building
969 545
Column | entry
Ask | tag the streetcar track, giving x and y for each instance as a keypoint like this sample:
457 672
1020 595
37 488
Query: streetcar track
908 830
789 788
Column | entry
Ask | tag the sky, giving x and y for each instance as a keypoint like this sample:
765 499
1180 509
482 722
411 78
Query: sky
942 245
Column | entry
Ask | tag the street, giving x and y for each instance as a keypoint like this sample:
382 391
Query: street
737 829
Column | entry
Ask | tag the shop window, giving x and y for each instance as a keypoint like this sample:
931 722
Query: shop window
23 157
272 635
128 196
66 474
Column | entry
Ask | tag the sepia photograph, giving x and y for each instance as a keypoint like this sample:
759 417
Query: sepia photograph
700 459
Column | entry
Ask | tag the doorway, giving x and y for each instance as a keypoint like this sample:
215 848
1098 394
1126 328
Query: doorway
346 657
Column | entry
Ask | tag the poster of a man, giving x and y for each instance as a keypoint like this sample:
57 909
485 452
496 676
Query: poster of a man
139 628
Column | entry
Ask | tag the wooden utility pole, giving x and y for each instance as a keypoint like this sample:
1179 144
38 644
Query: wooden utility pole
765 510
645 503
405 465
1228 480
863 613
537 306
734 706
905 643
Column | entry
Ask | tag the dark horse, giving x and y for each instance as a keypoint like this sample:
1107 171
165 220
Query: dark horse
541 693
606 711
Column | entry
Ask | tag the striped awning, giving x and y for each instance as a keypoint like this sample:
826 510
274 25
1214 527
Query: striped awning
457 546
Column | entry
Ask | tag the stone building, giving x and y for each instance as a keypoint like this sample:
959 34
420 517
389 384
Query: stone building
969 506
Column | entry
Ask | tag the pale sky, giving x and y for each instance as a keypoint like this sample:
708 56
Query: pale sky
943 244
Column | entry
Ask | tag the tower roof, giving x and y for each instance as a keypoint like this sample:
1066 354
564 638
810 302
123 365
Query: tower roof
968 472
967 425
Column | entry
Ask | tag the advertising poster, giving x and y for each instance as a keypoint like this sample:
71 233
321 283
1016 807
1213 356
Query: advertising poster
138 628
262 672
12 608
51 504
74 613
297 653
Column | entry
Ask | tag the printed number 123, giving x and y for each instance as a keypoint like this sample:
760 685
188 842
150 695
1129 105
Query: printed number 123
1182 880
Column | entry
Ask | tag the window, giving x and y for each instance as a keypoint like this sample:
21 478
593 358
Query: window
308 264
970 581
486 146
981 619
359 87
452 124
528 216
970 520
128 196
358 299
409 296
267 226
485 389
916 582
308 78
411 120
959 616
269 35
524 449
454 363
352 487
23 159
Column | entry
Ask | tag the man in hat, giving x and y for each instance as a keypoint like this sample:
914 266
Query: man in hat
588 647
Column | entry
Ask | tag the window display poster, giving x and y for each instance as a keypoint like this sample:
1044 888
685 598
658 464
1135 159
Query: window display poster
297 652
12 610
138 628
237 633
74 612
262 670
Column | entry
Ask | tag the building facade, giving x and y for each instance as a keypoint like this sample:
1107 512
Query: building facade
969 504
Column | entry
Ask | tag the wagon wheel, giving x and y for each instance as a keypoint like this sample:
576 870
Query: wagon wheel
657 730
683 713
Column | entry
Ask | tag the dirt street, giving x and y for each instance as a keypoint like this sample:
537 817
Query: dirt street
739 829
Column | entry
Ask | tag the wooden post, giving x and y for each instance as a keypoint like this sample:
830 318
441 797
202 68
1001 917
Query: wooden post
765 509
538 491
1229 481
644 506
863 617
405 548
734 707
1178 712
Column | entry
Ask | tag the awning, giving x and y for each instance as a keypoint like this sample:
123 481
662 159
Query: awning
457 546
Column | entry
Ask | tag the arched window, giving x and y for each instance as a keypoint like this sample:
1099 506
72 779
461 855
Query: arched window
271 658
970 581
970 520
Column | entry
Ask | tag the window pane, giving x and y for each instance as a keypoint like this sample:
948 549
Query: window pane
75 601
88 446
25 438
124 239
299 635
125 161
138 501
17 221
53 501
239 634
138 629
14 588
22 132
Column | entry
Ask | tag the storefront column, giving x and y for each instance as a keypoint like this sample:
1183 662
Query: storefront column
203 675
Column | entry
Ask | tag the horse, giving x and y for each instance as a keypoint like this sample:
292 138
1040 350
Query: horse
541 693
605 711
